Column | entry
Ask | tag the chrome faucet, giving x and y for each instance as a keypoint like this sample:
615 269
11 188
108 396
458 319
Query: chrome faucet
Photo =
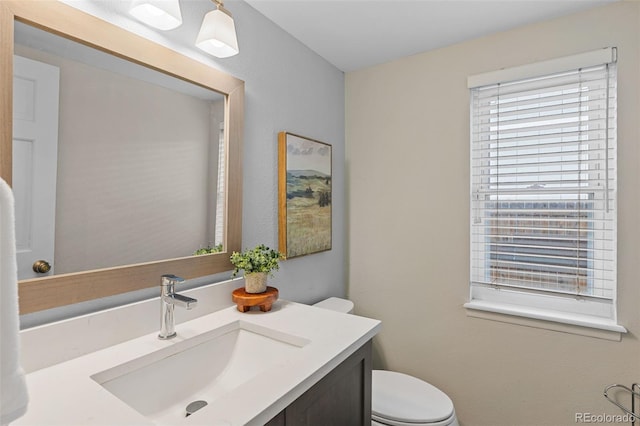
168 300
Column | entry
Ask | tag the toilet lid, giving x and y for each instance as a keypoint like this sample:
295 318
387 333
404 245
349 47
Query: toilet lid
402 398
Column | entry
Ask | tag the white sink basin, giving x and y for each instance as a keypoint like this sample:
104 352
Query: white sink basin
163 383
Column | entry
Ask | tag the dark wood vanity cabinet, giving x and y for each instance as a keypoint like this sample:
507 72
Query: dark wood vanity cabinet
341 398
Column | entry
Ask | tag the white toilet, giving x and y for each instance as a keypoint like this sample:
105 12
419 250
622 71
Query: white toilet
399 399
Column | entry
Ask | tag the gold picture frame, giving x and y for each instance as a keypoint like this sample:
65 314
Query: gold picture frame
304 195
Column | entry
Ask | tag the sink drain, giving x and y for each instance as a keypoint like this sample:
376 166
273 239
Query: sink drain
195 406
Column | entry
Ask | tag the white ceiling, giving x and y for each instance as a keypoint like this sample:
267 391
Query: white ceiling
355 34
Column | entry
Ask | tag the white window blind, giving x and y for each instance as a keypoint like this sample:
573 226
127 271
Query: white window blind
543 182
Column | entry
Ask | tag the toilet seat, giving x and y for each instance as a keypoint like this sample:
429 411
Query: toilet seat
451 421
376 421
402 400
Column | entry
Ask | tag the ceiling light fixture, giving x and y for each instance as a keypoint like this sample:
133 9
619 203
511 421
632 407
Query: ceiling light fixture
217 34
161 14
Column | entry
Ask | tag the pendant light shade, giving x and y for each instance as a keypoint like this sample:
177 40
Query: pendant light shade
161 14
217 34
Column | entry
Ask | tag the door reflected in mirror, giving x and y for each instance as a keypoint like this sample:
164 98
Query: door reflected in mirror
119 165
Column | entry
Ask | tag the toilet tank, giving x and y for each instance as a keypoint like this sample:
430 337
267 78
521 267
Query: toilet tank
336 304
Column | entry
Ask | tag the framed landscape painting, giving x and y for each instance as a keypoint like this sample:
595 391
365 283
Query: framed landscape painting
304 195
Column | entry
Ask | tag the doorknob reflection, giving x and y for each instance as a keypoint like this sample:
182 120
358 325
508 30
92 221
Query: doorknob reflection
41 266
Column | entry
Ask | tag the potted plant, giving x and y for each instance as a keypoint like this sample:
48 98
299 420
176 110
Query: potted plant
208 250
257 263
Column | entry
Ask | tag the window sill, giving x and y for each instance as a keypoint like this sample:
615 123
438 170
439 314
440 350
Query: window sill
583 325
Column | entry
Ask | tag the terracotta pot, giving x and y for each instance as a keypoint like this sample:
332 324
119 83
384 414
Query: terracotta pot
255 282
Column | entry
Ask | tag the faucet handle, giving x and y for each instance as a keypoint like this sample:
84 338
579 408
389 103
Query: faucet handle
169 279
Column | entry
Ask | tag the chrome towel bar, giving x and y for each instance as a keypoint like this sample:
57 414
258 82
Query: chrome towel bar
635 393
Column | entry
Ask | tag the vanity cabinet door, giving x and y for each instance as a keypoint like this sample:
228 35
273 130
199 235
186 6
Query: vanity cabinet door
278 420
341 398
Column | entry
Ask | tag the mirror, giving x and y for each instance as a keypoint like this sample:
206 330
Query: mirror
181 91
138 173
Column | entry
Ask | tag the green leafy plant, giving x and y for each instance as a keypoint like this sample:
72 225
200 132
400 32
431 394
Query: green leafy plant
258 259
208 250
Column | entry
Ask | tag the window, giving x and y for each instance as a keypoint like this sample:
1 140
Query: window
543 190
220 190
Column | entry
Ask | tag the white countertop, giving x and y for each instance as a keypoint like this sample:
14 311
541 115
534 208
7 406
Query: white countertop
65 393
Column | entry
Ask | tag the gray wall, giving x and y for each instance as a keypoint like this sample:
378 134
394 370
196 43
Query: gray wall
408 165
287 87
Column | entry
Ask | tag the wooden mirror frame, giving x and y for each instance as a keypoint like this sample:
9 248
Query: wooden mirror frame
55 17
